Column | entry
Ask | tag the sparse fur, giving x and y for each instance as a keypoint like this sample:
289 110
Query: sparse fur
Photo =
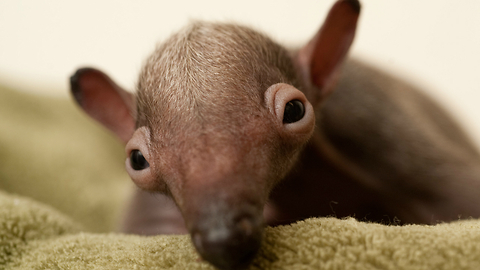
210 125
207 73
195 84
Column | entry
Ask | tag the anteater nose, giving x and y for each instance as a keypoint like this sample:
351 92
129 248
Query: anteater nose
229 246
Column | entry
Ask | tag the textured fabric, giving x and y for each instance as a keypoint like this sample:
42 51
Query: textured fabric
35 236
68 174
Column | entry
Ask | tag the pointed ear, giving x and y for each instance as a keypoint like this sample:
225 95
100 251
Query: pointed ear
321 58
104 101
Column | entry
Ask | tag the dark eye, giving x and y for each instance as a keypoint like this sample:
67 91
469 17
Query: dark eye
294 111
138 161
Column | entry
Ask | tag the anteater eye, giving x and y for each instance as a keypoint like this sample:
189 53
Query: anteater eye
294 111
138 161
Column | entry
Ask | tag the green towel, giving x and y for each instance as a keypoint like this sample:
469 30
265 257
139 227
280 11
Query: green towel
51 152
68 174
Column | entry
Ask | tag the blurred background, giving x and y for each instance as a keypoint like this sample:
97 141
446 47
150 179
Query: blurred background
430 43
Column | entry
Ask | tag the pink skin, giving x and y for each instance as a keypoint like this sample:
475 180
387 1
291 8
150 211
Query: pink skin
223 164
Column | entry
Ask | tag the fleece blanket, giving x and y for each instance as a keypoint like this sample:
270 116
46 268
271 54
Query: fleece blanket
63 188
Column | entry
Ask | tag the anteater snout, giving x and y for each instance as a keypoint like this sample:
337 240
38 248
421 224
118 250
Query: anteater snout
229 243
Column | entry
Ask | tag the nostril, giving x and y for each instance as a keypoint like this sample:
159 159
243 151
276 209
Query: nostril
246 226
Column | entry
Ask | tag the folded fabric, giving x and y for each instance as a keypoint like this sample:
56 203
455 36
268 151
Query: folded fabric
35 236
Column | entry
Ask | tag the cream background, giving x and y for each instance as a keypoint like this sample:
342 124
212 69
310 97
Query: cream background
432 43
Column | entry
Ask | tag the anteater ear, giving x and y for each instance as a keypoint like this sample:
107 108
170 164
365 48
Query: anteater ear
321 58
104 101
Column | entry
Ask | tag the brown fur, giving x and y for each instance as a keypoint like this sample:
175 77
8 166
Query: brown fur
209 121
208 72
412 153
